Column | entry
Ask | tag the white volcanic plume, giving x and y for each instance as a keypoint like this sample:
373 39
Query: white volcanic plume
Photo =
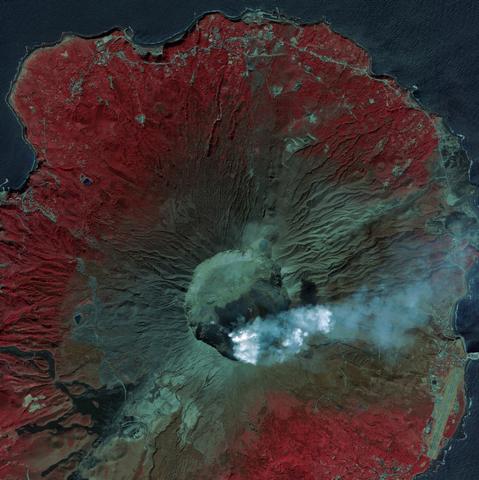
384 321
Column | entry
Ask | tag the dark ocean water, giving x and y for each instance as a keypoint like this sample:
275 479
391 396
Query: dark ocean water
432 45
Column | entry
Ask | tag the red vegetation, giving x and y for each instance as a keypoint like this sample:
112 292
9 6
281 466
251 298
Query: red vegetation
111 128
298 443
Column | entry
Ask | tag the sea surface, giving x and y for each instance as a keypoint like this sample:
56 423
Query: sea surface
430 47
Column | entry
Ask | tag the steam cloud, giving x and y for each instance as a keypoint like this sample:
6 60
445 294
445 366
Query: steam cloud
385 322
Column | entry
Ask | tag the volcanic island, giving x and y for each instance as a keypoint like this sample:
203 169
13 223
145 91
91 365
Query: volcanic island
238 257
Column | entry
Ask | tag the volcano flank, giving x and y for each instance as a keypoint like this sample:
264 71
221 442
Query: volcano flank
238 258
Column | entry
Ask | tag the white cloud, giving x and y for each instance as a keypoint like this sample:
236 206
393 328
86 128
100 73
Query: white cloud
384 321
276 338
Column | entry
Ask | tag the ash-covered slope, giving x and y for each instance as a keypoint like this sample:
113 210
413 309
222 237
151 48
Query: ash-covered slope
184 194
